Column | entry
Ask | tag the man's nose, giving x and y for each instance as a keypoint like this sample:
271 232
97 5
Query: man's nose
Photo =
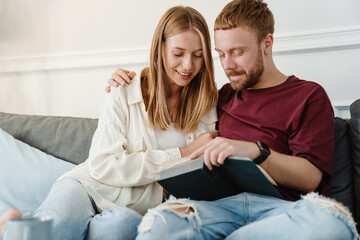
228 63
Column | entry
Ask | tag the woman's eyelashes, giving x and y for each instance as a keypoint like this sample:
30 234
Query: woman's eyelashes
182 54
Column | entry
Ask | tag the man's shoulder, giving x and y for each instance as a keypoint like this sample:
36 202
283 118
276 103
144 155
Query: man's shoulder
129 94
308 86
303 83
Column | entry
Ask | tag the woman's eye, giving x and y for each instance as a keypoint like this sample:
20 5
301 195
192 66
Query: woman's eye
177 55
198 56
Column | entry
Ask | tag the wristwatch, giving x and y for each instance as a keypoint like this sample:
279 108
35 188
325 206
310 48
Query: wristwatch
264 152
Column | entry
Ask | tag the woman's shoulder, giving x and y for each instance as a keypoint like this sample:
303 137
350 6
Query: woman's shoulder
210 117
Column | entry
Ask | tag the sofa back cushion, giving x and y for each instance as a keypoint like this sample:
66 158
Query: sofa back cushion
355 138
342 187
67 138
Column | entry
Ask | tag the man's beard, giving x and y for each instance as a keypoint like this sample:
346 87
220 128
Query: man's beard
252 78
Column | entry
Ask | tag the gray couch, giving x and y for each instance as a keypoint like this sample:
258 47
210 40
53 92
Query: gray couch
70 138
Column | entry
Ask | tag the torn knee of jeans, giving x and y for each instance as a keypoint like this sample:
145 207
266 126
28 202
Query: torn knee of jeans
147 221
333 205
336 207
179 207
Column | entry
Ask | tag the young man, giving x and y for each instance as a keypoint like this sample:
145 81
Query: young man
284 124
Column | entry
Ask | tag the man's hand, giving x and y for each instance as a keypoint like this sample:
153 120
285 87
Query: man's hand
119 77
216 151
290 171
201 140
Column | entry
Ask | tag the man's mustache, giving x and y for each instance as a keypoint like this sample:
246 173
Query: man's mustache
234 73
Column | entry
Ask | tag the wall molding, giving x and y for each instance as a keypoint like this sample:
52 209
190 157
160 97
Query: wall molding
342 109
317 41
136 56
285 44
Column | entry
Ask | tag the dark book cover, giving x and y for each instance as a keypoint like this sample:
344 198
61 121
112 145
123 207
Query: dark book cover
191 179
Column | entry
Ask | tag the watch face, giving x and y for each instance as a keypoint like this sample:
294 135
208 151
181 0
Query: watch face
264 147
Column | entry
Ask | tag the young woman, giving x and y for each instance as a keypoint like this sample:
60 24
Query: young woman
162 115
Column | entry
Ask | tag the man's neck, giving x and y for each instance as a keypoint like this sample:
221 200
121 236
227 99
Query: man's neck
271 77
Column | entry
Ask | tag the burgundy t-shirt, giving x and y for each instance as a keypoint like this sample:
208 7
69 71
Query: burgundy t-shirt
294 118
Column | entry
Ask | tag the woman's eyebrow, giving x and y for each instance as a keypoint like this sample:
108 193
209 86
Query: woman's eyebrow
183 49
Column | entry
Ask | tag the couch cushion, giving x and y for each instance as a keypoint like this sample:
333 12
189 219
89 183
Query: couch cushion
342 187
355 137
63 137
26 174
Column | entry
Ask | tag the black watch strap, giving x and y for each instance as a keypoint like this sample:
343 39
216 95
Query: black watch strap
264 152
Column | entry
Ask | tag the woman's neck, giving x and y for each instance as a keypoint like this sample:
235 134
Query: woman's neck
172 96
172 99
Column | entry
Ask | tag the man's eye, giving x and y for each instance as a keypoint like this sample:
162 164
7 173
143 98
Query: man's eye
238 53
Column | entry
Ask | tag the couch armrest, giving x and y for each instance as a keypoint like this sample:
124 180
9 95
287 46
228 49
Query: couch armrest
342 185
355 137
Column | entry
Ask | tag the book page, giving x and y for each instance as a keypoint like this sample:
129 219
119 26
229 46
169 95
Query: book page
267 176
174 162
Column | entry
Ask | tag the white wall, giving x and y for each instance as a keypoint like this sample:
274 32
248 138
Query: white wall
55 56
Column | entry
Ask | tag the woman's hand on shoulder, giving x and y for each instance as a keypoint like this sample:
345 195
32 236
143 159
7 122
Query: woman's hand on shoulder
119 77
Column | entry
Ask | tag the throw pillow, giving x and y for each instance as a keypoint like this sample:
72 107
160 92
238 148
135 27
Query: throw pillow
26 174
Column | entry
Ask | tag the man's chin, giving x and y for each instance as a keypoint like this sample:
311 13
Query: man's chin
236 85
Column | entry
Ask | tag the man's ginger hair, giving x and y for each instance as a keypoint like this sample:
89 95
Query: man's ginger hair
253 15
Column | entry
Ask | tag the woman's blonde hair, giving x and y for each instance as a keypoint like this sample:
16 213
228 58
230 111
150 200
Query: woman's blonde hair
199 96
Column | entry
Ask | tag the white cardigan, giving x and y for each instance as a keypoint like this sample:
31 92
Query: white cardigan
124 161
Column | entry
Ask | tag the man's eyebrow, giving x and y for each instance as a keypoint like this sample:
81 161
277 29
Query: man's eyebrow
232 49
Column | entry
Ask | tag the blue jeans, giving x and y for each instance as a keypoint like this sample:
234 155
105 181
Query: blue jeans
251 217
75 216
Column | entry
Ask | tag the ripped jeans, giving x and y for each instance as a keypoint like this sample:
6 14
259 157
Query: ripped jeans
249 216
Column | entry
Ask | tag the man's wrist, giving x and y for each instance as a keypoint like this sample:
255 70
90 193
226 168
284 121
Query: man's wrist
264 152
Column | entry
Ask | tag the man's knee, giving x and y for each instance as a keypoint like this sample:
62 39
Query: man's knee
336 209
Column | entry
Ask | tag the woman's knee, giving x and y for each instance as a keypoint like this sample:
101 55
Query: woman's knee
115 223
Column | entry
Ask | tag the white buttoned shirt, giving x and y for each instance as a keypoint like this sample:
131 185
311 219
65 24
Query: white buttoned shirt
124 161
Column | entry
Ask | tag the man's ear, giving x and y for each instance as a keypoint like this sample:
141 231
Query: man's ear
268 43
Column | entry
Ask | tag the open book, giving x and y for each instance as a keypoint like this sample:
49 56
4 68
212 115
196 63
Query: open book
185 178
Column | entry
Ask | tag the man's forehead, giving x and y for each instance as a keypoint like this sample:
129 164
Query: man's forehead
234 38
239 31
